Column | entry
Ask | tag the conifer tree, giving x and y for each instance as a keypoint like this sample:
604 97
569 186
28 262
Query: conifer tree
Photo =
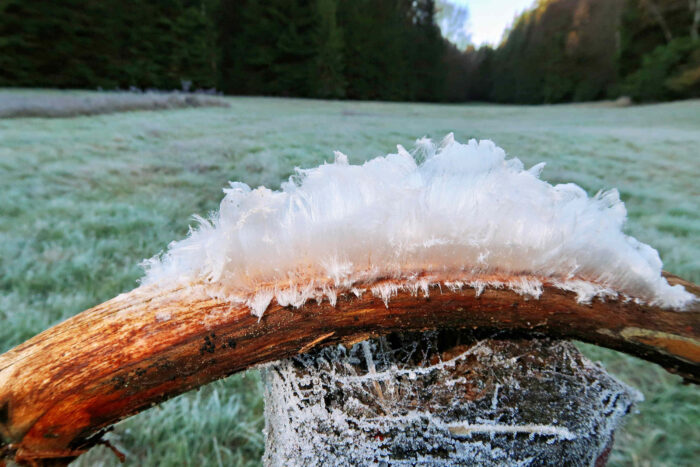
329 79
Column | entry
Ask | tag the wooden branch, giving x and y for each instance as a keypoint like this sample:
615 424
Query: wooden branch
60 388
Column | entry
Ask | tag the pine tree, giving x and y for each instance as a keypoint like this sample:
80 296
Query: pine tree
329 80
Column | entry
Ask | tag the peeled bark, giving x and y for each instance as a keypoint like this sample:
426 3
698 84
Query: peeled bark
442 399
60 388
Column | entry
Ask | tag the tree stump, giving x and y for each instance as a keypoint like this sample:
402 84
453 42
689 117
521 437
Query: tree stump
442 398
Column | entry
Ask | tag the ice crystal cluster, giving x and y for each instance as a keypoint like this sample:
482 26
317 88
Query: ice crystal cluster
401 401
459 215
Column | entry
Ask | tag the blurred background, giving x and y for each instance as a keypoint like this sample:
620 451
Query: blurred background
121 119
513 51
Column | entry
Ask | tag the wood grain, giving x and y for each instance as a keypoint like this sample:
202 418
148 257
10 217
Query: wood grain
60 388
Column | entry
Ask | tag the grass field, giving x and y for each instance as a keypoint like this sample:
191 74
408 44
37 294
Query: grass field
83 200
52 104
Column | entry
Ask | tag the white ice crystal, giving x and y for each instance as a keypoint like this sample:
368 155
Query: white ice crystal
464 217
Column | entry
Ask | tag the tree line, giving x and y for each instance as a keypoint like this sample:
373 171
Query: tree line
107 43
359 49
558 51
580 50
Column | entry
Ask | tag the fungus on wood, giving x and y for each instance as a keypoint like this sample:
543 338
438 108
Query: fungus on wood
466 240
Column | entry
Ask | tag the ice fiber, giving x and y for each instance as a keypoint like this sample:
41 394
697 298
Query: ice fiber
458 215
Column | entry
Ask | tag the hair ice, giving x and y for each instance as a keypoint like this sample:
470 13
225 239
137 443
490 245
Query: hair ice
466 213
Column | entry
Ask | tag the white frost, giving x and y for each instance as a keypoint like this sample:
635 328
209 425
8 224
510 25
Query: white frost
466 213
397 402
467 429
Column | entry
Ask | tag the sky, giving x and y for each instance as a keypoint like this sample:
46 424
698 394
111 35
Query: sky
489 18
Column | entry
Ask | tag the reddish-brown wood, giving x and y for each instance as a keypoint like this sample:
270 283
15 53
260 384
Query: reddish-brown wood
60 388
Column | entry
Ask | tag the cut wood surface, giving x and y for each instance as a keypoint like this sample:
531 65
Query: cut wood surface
442 398
59 389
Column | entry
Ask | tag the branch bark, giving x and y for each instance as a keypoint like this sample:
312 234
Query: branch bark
60 388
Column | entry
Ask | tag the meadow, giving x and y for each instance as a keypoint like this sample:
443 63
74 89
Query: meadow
84 200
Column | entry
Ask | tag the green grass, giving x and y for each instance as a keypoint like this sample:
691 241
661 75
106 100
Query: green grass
84 200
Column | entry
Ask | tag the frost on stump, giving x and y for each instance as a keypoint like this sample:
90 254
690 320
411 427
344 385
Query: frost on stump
442 399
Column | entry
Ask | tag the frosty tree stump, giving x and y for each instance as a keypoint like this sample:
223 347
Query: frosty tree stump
442 399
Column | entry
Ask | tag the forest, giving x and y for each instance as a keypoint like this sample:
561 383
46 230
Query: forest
557 51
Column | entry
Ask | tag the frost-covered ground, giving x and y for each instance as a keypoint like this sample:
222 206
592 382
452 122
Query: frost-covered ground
84 200
57 104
